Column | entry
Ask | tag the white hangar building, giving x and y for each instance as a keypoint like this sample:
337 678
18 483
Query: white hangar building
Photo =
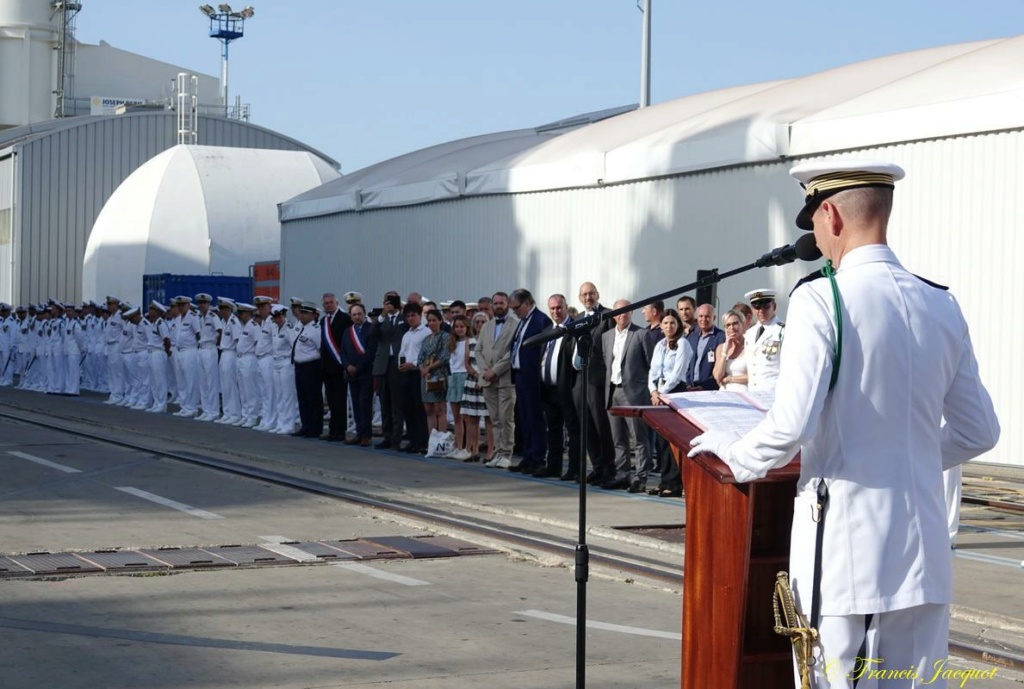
637 203
195 210
56 176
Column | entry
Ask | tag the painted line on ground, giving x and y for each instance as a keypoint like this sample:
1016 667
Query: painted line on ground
604 626
45 462
989 559
167 502
381 574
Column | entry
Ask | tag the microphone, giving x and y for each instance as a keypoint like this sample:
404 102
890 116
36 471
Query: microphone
805 249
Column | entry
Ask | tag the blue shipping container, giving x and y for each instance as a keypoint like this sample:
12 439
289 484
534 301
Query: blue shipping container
163 287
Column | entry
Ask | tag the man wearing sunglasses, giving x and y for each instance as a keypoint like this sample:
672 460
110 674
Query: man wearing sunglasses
763 341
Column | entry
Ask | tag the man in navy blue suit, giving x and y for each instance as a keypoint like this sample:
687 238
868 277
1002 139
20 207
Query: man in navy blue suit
704 339
526 378
358 349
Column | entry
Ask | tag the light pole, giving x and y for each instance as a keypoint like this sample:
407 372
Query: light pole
645 55
226 25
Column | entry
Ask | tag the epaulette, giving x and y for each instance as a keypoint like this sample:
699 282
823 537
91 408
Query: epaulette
933 284
809 278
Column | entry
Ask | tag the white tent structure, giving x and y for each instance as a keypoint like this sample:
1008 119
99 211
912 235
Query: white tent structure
194 210
637 203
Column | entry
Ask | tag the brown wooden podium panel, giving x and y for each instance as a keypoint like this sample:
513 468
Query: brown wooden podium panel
737 539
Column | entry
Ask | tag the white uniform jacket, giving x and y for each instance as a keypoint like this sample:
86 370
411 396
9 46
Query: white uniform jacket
763 354
908 402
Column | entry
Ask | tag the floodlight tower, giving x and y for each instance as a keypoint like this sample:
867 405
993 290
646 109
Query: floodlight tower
226 25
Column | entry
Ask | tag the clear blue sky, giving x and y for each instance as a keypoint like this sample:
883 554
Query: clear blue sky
365 80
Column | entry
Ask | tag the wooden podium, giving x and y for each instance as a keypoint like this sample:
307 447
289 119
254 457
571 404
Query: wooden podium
737 539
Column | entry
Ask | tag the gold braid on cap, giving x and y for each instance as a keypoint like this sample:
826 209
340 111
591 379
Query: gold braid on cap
837 181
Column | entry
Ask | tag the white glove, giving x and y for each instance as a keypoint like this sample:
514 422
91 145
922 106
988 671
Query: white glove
719 443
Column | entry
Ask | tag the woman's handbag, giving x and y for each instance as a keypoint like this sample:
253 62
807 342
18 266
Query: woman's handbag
438 384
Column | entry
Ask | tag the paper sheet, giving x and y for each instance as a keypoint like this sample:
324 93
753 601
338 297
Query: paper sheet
718 409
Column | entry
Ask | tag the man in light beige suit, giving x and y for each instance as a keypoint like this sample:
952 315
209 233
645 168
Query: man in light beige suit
493 356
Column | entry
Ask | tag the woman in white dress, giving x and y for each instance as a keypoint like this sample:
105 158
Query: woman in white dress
730 360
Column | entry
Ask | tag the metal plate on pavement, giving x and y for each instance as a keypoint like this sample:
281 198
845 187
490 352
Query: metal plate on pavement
55 563
187 557
123 560
321 551
10 568
416 547
365 550
249 555
459 546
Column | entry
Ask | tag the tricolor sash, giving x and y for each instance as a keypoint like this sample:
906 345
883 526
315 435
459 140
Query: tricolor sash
332 346
356 342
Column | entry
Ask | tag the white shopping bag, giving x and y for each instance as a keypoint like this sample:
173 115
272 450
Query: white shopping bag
441 444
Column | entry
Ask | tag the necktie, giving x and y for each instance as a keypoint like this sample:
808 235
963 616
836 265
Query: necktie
760 332
296 342
499 320
549 363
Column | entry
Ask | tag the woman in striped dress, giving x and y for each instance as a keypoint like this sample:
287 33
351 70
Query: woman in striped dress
473 406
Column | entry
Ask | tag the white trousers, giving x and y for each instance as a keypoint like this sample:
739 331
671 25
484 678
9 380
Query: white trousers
115 372
140 390
268 403
248 386
7 365
286 416
209 381
57 374
905 650
229 384
158 378
72 373
188 388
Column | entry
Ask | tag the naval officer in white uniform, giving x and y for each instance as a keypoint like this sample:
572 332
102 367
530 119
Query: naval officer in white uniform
905 403
763 341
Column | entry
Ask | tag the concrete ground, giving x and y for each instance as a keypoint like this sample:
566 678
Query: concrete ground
490 621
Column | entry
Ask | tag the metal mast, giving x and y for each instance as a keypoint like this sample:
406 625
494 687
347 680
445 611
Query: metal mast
226 25
645 55
65 12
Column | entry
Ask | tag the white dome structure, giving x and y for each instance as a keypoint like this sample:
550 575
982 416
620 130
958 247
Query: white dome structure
195 210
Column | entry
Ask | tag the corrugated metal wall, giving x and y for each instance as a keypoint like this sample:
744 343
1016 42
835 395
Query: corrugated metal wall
955 222
6 227
70 173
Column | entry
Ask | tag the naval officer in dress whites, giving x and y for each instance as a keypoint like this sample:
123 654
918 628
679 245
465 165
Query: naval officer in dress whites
228 364
308 375
158 346
880 397
209 373
763 341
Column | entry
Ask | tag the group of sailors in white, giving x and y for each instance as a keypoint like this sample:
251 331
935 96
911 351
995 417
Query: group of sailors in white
233 364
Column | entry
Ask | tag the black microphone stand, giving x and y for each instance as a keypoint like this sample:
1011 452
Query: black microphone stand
581 331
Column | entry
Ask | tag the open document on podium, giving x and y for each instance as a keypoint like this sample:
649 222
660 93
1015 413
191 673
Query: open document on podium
722 409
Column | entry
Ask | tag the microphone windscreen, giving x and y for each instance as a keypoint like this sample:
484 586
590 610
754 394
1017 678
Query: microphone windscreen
807 248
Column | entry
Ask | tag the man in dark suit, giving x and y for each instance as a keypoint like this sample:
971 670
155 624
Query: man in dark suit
333 326
390 328
704 339
624 349
526 378
358 350
599 432
558 377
